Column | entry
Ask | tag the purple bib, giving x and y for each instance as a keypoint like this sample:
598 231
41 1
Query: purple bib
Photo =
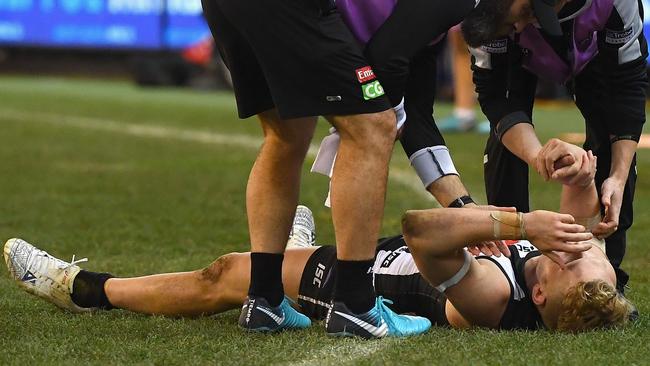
543 61
364 17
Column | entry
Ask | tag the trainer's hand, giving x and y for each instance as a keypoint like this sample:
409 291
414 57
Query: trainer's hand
611 198
492 247
550 231
565 163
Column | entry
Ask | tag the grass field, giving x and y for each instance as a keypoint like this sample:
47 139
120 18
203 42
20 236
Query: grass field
146 181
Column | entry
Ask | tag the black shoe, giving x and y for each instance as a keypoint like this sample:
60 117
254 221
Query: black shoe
379 322
258 316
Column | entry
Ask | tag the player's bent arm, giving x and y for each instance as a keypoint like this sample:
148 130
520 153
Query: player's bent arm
463 279
436 239
581 202
444 232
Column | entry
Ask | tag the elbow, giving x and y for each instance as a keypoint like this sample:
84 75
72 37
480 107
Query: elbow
408 223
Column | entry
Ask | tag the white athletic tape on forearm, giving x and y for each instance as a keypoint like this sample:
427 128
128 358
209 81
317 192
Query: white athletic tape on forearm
589 222
433 163
453 281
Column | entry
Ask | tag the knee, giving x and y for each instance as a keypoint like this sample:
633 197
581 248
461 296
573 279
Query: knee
212 277
286 148
290 137
369 131
410 230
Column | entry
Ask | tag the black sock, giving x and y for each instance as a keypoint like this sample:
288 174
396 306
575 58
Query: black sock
266 277
354 285
88 290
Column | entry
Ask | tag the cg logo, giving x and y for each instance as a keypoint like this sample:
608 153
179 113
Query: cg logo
372 90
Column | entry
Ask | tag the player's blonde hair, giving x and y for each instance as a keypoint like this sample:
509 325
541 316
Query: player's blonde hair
593 305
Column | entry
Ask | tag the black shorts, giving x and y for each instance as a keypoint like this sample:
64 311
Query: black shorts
294 55
317 283
394 278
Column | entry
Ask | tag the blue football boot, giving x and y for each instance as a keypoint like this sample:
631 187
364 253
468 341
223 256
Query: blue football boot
379 322
454 124
258 316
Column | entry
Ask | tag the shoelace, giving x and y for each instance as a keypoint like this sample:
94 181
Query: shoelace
74 262
59 263
385 310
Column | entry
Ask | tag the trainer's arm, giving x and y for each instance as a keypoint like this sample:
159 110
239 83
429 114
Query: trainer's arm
421 139
506 91
612 188
621 73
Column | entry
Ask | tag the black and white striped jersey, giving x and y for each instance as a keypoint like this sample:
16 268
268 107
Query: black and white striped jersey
398 278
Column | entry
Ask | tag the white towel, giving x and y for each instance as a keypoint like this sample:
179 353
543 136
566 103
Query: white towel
324 162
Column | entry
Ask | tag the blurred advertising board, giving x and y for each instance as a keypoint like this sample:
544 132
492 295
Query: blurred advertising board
125 24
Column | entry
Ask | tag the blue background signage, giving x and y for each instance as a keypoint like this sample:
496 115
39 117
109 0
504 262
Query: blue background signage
142 24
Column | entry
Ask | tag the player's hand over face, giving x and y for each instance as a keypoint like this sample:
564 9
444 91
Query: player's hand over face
612 198
552 232
492 247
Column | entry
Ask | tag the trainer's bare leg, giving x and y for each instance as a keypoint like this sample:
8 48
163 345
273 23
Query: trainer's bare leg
221 286
274 181
359 181
357 197
271 199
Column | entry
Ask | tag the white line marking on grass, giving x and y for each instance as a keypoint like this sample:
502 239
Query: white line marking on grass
400 176
348 352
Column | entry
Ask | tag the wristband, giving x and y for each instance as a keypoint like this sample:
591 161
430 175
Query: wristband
635 138
432 163
461 201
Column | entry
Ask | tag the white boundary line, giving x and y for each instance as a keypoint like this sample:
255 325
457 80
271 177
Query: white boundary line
348 352
403 177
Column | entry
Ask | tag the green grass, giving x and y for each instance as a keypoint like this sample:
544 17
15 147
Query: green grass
74 182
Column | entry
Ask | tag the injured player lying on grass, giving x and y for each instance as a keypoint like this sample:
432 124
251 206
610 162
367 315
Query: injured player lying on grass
528 290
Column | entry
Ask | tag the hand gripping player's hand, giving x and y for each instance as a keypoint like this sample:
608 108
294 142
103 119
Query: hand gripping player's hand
491 247
565 163
552 232
612 198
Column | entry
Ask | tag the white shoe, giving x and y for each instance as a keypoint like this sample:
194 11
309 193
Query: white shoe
42 275
303 230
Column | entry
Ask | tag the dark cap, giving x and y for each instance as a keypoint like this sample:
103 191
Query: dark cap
547 16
